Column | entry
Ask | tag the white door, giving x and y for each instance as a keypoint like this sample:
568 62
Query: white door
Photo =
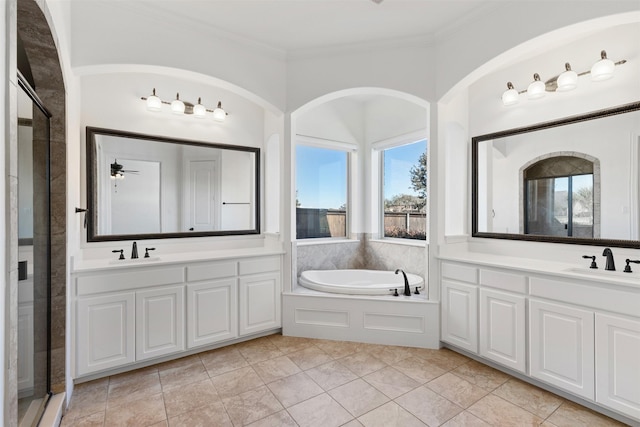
159 321
259 303
105 332
460 315
618 364
212 312
562 346
502 328
202 204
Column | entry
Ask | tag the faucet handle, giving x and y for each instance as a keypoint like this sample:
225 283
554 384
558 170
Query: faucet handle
593 260
115 251
146 251
627 268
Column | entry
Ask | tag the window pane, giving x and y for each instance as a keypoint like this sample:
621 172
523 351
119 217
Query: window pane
582 205
321 192
404 173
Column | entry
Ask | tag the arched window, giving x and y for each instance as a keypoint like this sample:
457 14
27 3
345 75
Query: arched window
561 196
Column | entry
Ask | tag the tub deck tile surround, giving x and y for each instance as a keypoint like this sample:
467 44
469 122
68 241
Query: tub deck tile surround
287 381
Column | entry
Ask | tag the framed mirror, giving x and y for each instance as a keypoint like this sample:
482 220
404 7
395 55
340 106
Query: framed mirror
151 187
574 180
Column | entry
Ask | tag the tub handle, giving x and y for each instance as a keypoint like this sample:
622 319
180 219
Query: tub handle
416 292
395 290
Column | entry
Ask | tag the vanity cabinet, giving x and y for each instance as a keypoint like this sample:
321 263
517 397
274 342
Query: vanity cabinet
105 332
460 315
502 328
618 363
562 343
579 335
159 322
134 314
211 312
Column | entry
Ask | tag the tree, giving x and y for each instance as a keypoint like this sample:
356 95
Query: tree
419 179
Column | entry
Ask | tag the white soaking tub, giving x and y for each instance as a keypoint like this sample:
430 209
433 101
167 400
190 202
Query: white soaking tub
359 282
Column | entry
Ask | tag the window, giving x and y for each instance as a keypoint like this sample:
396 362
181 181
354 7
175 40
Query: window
404 191
559 197
321 192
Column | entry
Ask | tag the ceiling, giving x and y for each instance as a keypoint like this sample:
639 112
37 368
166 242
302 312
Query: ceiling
298 25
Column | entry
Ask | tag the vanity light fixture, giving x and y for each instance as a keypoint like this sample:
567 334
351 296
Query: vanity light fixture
566 81
178 106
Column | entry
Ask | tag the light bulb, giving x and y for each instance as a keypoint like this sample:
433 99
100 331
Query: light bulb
177 106
199 110
113 177
603 69
219 114
510 96
568 80
536 89
153 102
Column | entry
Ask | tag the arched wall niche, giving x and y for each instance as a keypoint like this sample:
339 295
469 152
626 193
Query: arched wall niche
41 51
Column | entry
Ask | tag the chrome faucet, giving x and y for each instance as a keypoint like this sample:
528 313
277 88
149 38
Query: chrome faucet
611 265
134 251
407 289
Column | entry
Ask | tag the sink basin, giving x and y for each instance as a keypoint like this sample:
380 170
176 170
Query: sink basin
633 277
134 261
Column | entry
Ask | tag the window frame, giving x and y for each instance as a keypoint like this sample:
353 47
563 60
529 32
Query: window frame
350 150
378 150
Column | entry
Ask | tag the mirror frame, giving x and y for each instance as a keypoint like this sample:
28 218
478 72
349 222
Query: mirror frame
91 171
635 106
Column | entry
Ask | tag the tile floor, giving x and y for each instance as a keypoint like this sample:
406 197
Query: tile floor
286 381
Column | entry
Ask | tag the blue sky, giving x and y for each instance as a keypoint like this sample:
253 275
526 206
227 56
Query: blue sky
321 174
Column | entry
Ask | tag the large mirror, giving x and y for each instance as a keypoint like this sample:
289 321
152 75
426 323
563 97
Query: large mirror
574 180
144 187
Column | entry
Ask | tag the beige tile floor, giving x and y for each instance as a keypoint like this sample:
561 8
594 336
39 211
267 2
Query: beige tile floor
286 381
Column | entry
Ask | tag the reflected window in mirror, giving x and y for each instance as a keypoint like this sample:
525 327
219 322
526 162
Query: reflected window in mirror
559 197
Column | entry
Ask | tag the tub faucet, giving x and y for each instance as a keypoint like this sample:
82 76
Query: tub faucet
134 251
407 290
611 265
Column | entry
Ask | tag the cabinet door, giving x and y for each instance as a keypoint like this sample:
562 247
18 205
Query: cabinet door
618 364
259 302
105 332
502 328
211 312
562 346
25 347
460 315
159 322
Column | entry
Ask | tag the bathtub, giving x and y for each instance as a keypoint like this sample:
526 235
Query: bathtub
358 282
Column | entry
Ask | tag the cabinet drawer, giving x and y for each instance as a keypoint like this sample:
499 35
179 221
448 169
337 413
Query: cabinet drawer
128 280
459 272
259 265
216 270
603 298
502 280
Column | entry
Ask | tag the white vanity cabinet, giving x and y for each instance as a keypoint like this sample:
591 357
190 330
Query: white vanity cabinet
578 334
105 331
502 328
159 321
124 315
562 343
459 322
618 363
260 295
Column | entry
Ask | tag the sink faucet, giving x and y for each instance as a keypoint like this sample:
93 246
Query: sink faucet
134 251
407 289
610 266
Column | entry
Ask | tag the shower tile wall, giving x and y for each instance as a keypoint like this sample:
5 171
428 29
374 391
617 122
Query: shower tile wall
361 253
